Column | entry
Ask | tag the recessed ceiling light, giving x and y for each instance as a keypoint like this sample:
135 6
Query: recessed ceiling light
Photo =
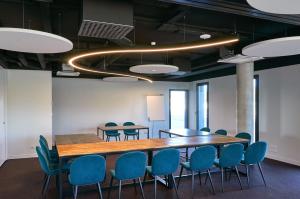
205 36
153 43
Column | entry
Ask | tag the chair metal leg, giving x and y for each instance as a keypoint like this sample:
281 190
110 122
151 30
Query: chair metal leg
141 187
110 186
211 183
75 192
174 183
108 138
238 175
180 175
125 138
46 186
200 178
119 138
193 183
99 189
116 138
120 188
248 176
262 174
222 179
155 186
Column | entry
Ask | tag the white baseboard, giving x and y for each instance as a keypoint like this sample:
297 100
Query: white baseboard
21 156
283 159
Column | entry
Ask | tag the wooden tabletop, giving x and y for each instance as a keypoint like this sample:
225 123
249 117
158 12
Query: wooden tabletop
110 128
186 132
76 139
143 145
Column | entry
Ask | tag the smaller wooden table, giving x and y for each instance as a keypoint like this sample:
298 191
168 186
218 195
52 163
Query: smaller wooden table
122 128
184 132
76 139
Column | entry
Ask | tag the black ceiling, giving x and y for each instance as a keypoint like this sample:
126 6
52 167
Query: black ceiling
162 21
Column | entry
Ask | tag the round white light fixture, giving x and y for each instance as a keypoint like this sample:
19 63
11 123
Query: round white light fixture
274 47
120 79
205 36
153 69
32 41
277 6
153 43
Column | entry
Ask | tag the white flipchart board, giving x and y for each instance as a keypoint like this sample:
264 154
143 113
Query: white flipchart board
156 107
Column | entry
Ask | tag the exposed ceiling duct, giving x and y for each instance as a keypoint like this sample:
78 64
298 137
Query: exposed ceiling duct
106 19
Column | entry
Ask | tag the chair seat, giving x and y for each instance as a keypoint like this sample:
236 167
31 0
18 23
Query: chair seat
186 165
131 133
113 134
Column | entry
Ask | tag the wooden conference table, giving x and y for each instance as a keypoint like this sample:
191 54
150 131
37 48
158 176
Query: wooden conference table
184 132
122 128
66 150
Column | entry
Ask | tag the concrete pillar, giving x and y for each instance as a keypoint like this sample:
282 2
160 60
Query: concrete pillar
245 94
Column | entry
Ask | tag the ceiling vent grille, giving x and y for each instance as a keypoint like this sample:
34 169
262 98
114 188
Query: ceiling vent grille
104 30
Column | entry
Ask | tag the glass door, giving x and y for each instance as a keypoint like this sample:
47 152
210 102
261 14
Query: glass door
202 105
178 109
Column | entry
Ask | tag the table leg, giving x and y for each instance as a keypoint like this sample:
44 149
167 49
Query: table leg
148 134
150 156
159 133
60 191
103 135
138 136
97 131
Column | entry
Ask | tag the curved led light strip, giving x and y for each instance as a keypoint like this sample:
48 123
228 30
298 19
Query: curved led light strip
202 44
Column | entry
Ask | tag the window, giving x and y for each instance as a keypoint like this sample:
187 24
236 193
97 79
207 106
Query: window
256 107
202 105
178 109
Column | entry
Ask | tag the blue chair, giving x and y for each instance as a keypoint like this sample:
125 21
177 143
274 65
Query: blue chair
164 163
230 157
202 159
246 136
87 170
130 132
112 133
50 170
129 166
206 129
254 155
52 154
221 132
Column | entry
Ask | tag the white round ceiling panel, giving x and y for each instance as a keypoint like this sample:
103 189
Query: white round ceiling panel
276 6
153 69
120 79
274 47
32 41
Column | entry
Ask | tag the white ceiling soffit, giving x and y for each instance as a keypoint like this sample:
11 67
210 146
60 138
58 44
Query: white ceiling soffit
32 41
153 69
120 79
276 6
236 59
274 47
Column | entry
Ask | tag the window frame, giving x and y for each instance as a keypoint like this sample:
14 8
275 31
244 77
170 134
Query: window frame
197 103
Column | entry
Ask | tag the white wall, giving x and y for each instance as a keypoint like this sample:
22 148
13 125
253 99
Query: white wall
80 105
29 109
279 109
3 85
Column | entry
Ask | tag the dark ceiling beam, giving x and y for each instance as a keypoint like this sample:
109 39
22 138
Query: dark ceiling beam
23 59
178 14
238 9
42 61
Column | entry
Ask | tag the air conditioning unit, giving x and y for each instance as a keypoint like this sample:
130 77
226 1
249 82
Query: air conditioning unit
67 71
235 59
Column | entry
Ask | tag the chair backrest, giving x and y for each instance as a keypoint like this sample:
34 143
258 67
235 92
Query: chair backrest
129 130
246 136
221 132
231 155
203 158
165 162
256 152
44 140
130 165
206 129
43 160
45 148
113 131
87 170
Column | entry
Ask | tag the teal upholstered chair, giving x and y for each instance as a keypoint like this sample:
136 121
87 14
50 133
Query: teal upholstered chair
52 154
202 159
130 132
87 170
230 157
164 163
49 169
221 132
254 155
112 133
206 129
129 166
246 136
